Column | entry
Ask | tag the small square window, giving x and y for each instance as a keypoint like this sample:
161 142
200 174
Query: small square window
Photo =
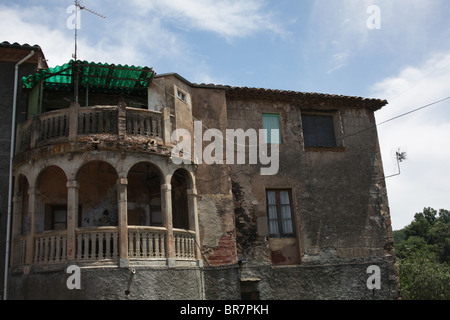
272 128
181 95
318 130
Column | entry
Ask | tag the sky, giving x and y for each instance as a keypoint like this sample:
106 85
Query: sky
398 50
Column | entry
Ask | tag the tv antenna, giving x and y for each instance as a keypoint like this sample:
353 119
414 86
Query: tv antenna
400 157
78 7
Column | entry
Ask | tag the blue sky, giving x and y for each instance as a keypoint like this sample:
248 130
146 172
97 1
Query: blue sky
302 45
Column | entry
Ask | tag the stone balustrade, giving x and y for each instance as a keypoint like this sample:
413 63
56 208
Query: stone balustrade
50 247
115 123
184 244
146 242
101 244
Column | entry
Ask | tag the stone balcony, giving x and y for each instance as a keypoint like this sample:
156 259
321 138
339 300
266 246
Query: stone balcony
101 246
78 129
123 155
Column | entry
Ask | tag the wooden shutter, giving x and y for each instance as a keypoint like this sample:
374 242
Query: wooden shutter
318 131
271 122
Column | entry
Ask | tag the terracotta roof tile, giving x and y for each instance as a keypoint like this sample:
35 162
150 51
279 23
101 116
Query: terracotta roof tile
263 93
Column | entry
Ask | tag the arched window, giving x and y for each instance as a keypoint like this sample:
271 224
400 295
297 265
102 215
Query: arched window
144 195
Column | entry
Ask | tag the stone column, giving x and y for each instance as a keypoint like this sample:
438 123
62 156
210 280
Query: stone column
193 219
166 208
122 184
122 119
33 198
16 227
72 217
73 121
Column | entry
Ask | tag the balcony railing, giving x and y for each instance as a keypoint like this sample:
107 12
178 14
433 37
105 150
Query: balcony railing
50 247
73 124
19 251
146 242
94 244
184 244
101 244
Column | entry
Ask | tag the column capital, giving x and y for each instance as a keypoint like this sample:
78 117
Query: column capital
33 191
166 187
122 181
192 191
72 184
17 199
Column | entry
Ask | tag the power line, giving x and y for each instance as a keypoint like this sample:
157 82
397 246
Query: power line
412 111
394 118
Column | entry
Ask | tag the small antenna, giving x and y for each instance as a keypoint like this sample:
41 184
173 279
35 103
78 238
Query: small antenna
79 6
400 157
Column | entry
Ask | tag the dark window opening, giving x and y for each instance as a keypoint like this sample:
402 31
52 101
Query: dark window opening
249 290
180 214
59 217
318 131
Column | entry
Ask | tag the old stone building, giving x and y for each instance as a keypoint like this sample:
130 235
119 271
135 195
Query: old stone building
152 187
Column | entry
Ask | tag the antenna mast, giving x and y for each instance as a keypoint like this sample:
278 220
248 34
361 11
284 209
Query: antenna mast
78 7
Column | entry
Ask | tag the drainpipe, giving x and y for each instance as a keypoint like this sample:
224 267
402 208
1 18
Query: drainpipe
11 157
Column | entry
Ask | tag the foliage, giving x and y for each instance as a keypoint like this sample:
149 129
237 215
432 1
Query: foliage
423 251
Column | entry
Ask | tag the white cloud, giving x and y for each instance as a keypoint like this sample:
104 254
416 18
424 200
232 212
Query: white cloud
425 136
339 28
120 41
227 18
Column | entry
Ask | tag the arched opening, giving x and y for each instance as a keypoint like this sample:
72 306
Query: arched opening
180 212
52 184
144 195
97 197
22 191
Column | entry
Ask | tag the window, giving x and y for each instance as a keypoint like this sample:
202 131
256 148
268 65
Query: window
279 212
271 122
318 130
181 95
59 217
249 290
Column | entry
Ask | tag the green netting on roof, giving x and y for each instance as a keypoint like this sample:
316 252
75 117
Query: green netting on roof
95 76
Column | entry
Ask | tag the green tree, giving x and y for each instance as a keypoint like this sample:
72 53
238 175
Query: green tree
424 256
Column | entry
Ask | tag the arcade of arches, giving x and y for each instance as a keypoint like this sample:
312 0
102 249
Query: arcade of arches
99 215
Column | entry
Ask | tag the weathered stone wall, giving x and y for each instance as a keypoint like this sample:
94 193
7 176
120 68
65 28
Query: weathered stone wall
110 283
321 282
339 200
215 199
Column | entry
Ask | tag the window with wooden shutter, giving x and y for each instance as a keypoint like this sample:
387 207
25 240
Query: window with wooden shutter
271 122
318 130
